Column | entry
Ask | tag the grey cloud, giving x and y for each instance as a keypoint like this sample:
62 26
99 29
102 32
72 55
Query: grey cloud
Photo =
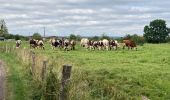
92 17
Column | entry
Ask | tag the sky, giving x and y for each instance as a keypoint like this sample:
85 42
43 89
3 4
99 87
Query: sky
82 17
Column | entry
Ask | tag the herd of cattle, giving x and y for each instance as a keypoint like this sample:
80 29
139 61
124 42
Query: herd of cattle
85 42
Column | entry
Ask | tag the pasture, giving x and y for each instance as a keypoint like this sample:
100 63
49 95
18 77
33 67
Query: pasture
114 75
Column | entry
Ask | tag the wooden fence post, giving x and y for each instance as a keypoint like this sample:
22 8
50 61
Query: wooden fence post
33 63
66 72
43 73
6 48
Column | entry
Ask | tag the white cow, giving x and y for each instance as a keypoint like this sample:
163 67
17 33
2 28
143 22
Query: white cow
106 44
84 42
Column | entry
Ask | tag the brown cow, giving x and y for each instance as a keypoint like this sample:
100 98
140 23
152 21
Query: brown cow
130 44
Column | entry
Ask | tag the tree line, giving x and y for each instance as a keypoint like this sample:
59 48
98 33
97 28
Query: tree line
156 32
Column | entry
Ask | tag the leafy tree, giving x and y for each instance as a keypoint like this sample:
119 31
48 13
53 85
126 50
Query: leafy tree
72 37
37 36
17 37
156 32
3 27
78 37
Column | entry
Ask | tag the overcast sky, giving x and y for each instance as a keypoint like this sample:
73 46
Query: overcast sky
83 17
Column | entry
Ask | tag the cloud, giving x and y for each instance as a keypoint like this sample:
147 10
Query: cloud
83 17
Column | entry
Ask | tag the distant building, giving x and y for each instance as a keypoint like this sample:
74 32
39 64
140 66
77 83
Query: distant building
2 39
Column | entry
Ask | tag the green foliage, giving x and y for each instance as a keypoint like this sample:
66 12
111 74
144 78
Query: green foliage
75 37
18 81
156 32
12 36
3 27
72 37
37 36
52 87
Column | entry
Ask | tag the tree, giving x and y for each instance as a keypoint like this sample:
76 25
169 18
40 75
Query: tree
17 37
37 36
3 27
72 37
156 32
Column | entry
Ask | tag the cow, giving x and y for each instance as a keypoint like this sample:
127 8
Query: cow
18 43
84 42
66 44
95 45
100 45
130 44
40 44
90 45
113 44
106 44
36 44
56 43
72 44
33 43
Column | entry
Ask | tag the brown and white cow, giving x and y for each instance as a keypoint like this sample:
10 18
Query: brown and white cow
36 44
113 44
72 44
40 44
56 43
18 43
66 44
100 45
33 43
95 45
130 44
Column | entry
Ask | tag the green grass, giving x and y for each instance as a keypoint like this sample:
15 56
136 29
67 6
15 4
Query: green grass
121 75
133 73
18 82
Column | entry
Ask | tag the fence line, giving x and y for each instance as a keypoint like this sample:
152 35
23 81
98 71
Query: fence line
66 72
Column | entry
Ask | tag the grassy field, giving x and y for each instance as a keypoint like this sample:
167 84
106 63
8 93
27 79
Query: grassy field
115 75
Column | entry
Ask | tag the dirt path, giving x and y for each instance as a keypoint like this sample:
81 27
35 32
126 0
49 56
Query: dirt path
2 81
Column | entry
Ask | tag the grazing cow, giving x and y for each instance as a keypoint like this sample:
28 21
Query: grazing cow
130 44
52 42
106 44
95 44
18 43
113 44
100 45
72 44
56 43
66 44
36 44
84 42
33 43
40 44
90 44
